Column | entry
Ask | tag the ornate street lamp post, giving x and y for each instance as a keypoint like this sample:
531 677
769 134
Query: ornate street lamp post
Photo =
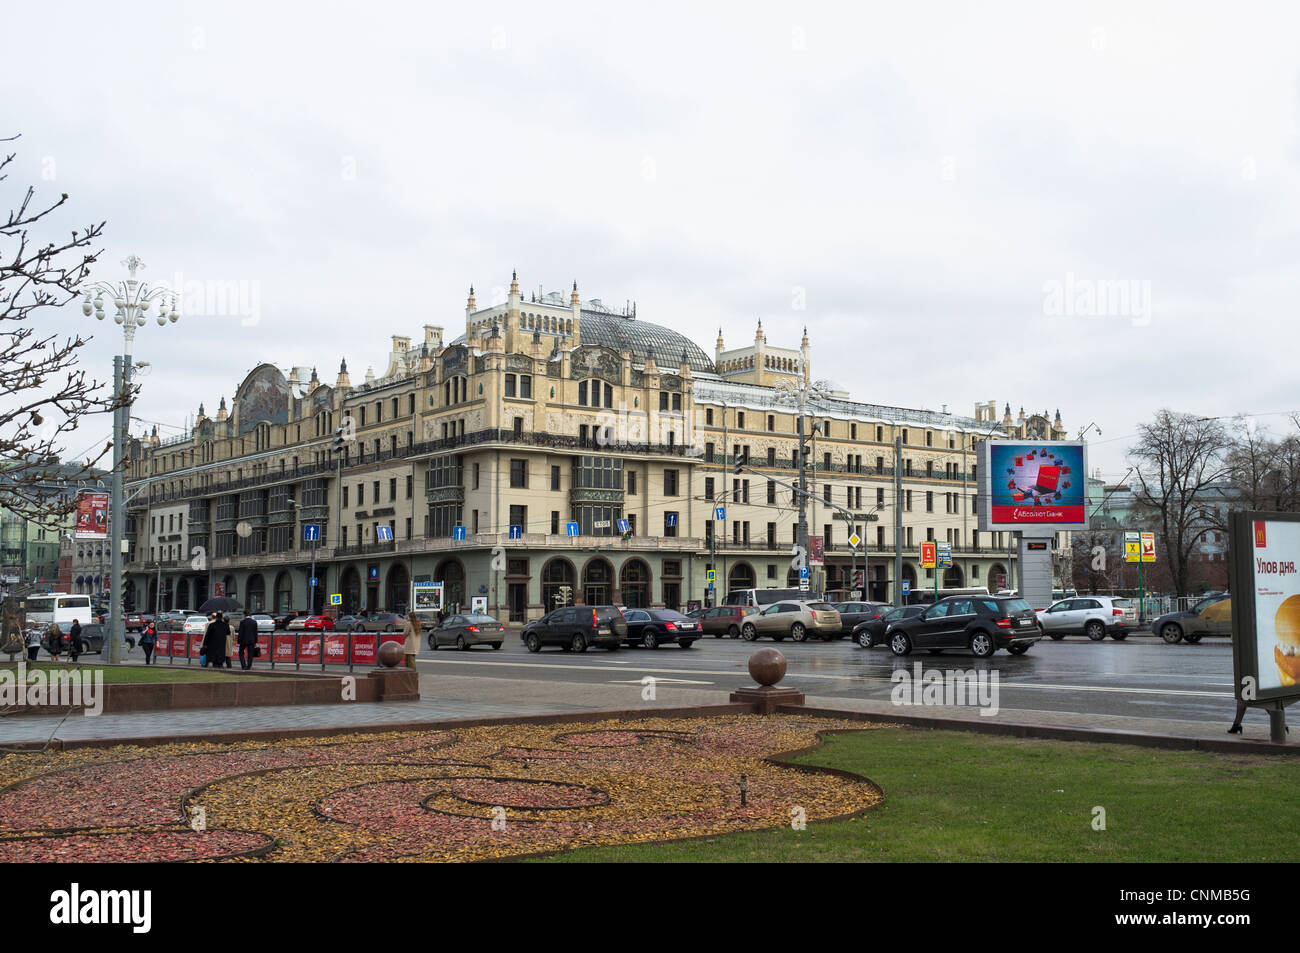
132 298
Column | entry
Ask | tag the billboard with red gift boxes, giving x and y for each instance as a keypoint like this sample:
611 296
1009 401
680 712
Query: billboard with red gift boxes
1027 485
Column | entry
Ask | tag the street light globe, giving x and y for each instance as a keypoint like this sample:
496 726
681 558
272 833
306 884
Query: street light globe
144 305
119 317
120 302
99 315
173 317
140 321
87 307
161 319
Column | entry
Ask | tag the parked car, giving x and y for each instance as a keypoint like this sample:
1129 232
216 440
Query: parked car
650 628
282 621
795 619
265 623
351 623
196 624
876 631
134 621
854 613
982 624
383 622
93 636
1211 616
1093 616
172 620
575 628
724 620
465 630
311 623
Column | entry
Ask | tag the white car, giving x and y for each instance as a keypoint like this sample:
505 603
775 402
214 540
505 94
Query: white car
265 624
1093 616
196 624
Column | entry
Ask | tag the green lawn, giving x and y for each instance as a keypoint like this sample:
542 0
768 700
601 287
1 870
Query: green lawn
957 796
138 673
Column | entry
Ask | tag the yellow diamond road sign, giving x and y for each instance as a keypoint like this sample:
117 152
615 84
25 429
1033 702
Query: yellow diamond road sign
854 540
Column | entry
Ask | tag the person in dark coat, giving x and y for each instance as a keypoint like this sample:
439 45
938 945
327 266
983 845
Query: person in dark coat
74 639
148 639
247 641
214 640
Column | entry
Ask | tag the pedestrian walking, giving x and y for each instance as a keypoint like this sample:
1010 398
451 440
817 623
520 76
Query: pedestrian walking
230 644
247 641
33 644
412 632
74 639
54 641
214 640
148 639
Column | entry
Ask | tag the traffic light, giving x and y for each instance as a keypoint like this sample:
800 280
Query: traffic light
339 441
741 462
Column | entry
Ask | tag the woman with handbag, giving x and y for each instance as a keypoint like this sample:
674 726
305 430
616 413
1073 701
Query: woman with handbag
412 632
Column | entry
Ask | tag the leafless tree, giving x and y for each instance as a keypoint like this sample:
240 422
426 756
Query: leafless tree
1178 458
44 393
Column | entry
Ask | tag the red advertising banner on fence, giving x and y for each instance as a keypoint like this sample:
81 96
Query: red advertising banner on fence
336 648
283 648
163 645
365 649
392 637
196 645
264 647
309 647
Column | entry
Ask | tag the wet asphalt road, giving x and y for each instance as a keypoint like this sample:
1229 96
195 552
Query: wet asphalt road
1142 677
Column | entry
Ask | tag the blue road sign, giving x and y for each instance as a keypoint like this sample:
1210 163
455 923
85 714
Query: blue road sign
907 587
571 529
624 526
719 512
312 582
516 531
384 534
373 572
311 532
803 572
670 519
458 532
709 587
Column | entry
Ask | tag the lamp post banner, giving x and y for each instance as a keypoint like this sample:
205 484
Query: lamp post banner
92 516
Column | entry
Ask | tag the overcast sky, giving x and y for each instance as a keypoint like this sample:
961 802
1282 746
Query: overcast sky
909 180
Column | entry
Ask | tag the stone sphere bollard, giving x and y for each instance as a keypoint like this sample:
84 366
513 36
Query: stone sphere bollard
392 654
767 667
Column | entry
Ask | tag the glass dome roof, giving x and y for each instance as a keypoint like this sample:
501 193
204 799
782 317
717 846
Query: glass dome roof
622 333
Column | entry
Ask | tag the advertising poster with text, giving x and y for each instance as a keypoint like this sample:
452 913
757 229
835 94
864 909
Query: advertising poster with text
1276 591
1037 484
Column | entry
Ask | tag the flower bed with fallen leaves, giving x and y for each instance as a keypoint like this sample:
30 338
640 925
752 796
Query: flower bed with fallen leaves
470 794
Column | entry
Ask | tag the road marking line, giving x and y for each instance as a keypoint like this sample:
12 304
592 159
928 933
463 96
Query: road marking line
657 680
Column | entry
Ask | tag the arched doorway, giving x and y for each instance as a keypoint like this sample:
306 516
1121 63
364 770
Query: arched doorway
998 578
255 594
183 594
452 576
597 576
741 576
952 578
557 584
350 590
283 593
634 584
398 590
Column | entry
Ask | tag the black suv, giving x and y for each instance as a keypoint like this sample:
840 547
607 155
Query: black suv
982 624
577 627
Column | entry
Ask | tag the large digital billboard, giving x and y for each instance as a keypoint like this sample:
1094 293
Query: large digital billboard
1265 553
1033 485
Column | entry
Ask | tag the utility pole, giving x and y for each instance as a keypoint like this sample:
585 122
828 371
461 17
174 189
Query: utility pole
898 519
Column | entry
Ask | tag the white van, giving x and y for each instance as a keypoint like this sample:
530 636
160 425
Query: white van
765 597
60 607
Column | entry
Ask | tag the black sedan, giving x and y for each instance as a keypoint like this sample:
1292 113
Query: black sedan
982 624
463 631
852 614
650 628
873 631
92 638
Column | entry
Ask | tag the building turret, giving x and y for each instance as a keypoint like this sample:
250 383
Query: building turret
222 413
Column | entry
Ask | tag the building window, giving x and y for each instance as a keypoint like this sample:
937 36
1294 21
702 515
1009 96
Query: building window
555 522
740 420
631 482
771 493
519 473
392 489
907 496
555 478
519 517
526 386
708 417
771 422
510 385
361 494
345 497
670 483
663 400
708 488
409 481
677 403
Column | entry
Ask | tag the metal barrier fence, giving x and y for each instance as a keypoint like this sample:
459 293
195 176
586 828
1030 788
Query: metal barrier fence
289 648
